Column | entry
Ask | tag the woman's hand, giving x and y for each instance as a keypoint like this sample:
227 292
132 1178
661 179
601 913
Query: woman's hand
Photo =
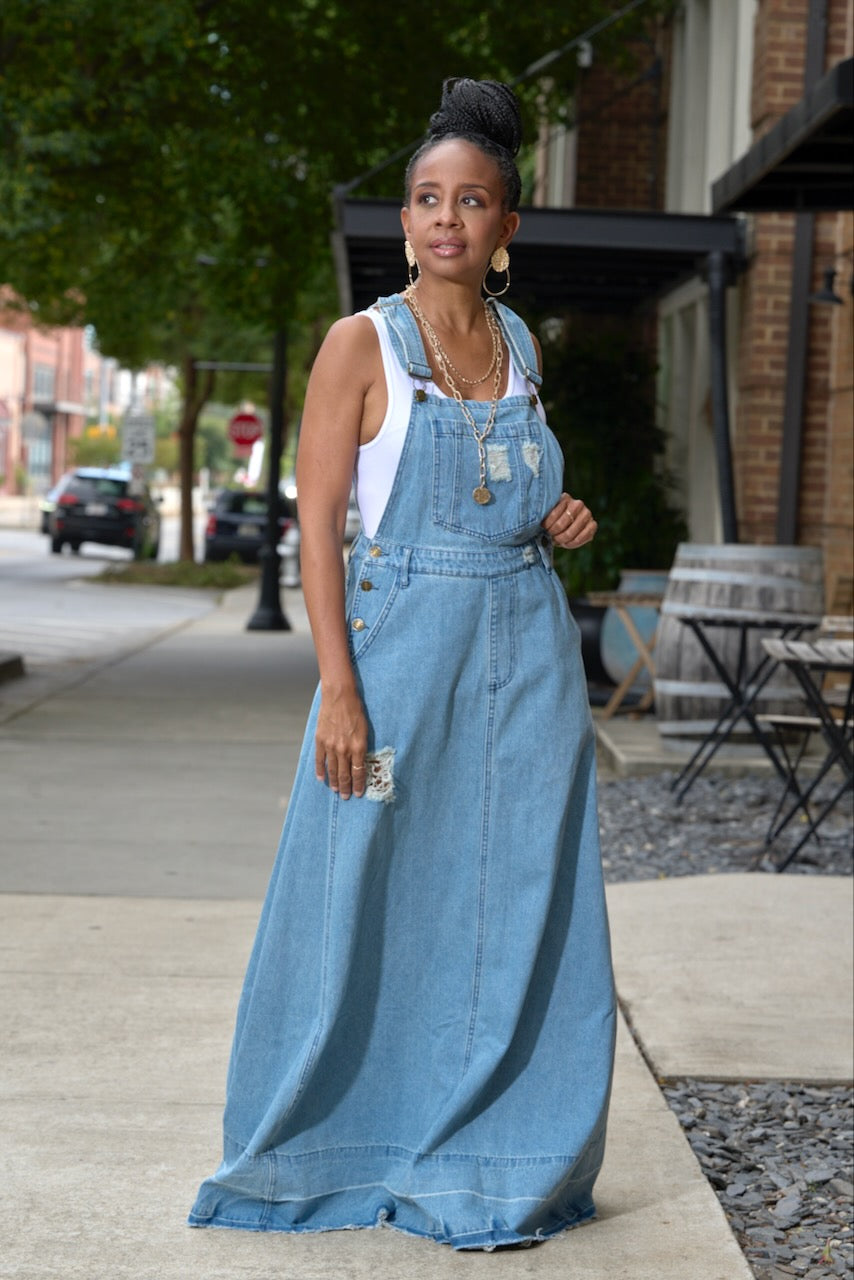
570 523
340 743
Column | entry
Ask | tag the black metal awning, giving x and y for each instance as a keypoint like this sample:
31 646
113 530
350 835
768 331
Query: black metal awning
586 259
805 162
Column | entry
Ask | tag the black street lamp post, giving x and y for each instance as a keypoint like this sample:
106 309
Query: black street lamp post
268 615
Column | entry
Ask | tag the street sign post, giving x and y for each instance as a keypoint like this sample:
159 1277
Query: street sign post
245 428
138 438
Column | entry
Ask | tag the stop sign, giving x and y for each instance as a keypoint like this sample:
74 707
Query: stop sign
245 428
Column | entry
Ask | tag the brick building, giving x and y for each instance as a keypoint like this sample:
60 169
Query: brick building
53 384
42 385
817 509
711 82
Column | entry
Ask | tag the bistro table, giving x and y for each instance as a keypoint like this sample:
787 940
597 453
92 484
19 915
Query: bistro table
744 684
810 661
621 602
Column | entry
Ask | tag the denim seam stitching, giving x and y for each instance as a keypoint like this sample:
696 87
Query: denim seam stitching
410 1153
509 638
481 898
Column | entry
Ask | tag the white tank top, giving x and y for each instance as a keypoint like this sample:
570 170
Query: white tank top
377 461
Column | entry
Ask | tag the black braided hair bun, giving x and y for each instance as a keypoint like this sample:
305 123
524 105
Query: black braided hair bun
484 108
485 113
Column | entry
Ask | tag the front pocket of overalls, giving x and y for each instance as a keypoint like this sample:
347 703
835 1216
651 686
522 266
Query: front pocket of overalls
371 591
514 477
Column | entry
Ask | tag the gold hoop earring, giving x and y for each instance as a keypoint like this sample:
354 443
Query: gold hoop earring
411 261
499 262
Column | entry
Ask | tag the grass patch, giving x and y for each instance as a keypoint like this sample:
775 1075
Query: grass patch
217 576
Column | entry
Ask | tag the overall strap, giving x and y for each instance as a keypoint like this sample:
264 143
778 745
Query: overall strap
519 342
405 337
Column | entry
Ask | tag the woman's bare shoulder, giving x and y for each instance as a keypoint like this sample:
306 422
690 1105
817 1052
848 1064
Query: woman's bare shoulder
347 366
352 333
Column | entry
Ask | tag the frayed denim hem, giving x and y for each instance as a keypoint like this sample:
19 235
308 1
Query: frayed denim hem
483 1241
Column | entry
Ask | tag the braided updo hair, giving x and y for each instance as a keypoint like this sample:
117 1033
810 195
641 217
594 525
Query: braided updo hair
485 113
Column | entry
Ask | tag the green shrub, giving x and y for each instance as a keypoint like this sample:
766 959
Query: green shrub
599 395
216 576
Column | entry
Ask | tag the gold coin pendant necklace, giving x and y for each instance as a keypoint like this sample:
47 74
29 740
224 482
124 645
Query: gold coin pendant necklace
481 494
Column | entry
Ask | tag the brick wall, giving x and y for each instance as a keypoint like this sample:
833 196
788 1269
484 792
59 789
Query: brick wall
622 134
824 502
839 455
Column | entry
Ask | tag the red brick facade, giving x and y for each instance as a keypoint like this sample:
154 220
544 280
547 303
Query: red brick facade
620 164
622 135
59 354
824 516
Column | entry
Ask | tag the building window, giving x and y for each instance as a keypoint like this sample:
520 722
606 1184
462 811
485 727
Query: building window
44 383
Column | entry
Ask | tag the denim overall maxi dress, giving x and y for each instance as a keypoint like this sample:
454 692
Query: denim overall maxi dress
425 1035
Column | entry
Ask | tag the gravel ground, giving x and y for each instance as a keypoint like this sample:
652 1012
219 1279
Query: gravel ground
779 1154
779 1157
719 826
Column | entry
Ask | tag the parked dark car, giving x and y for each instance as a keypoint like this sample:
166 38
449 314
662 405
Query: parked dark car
103 504
237 524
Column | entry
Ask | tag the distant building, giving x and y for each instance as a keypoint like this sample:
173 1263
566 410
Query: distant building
53 384
42 373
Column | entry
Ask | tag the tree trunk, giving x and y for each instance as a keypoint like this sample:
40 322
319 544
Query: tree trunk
197 392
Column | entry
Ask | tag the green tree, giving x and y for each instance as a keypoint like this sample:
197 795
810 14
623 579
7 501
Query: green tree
139 142
95 449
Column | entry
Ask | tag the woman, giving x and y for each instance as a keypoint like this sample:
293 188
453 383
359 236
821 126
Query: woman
425 1035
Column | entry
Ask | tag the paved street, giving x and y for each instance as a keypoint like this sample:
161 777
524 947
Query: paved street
58 618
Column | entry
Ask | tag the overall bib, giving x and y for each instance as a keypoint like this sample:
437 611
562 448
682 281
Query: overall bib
425 1035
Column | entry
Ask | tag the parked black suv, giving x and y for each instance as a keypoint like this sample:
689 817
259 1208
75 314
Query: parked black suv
103 504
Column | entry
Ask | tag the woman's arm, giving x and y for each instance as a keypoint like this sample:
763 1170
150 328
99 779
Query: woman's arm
342 379
569 523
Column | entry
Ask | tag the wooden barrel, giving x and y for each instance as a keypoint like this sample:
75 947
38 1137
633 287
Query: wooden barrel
689 694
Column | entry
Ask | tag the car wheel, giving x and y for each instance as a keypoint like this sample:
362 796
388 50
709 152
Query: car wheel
56 546
75 547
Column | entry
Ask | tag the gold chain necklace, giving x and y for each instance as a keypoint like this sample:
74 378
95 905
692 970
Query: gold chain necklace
442 355
481 494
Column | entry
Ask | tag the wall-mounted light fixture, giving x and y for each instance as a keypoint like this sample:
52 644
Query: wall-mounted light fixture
827 294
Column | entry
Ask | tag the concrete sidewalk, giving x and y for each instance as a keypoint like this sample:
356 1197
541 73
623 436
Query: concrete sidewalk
141 810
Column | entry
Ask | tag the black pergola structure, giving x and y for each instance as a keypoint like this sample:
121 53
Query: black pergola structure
803 164
596 261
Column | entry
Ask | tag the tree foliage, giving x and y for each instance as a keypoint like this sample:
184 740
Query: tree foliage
166 168
601 405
